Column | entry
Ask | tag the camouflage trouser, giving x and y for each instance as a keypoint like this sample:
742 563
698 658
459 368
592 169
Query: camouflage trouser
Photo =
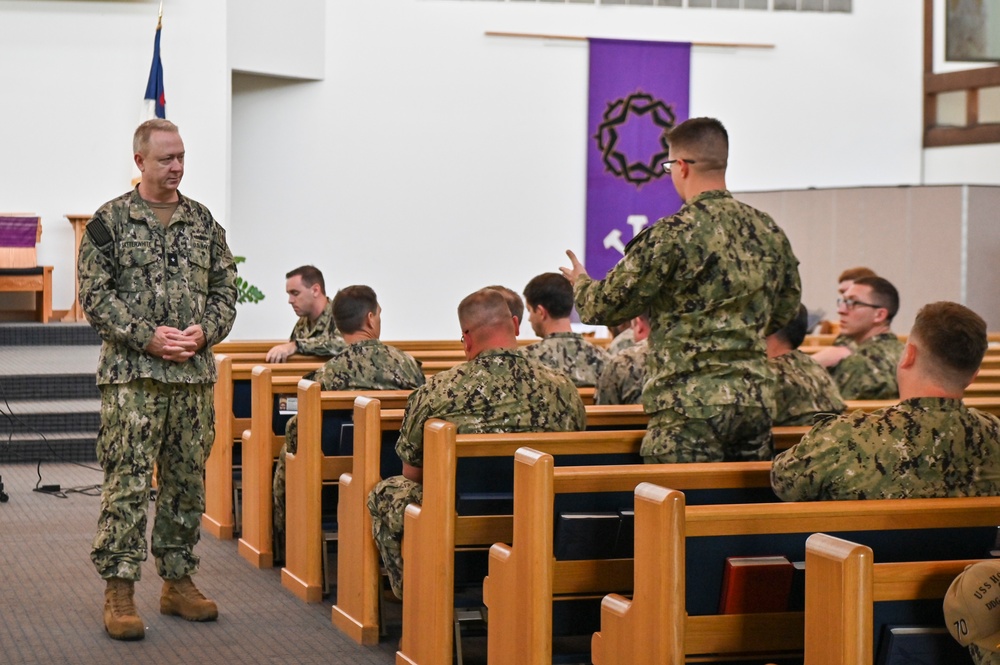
278 488
728 433
387 503
142 422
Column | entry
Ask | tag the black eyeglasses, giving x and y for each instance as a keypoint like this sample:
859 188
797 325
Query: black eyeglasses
851 303
666 164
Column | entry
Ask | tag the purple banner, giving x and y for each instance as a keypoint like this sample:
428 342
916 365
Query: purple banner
638 92
18 231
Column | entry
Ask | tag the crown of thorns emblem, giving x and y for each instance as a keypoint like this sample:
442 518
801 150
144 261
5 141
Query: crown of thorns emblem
615 116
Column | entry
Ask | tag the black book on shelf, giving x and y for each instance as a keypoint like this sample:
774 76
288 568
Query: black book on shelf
586 535
920 645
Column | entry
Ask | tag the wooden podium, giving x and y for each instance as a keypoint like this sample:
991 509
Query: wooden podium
79 223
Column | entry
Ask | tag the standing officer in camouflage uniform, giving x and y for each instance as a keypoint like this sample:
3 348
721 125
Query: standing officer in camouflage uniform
803 388
624 374
550 303
716 278
928 445
866 370
365 364
157 282
497 390
314 333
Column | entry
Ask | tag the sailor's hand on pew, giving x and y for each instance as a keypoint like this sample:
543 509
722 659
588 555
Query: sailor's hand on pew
281 352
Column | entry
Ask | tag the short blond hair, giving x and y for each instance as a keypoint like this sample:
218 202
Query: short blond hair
140 140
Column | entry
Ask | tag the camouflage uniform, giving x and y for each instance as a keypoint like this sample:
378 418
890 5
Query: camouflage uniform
920 448
623 376
717 277
870 371
136 275
365 365
844 340
570 353
624 340
498 391
803 389
317 339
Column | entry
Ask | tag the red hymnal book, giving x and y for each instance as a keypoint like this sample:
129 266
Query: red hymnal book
756 584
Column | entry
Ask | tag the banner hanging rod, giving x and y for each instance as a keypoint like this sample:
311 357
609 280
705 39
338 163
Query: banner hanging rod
573 38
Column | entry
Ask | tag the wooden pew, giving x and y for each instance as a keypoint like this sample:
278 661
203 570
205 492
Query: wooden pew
984 389
218 517
787 436
519 593
226 392
261 446
433 530
623 637
356 610
525 577
306 472
263 346
843 582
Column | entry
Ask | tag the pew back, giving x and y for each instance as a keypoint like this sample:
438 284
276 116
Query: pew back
434 530
843 582
621 618
307 470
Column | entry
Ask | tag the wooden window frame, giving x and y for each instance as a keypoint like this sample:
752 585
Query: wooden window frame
969 81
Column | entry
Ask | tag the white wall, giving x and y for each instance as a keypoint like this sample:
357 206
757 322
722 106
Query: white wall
278 38
434 160
72 76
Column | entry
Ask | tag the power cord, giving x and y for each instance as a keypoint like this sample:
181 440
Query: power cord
53 490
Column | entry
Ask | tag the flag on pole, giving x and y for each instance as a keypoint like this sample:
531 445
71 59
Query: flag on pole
156 103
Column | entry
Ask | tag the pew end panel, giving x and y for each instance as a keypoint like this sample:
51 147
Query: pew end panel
432 526
303 574
658 632
217 519
837 630
325 453
505 574
256 539
843 585
356 610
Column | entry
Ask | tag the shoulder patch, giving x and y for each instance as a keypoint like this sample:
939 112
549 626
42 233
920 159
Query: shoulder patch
99 233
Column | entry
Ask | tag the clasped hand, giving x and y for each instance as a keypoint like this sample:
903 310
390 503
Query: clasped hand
176 345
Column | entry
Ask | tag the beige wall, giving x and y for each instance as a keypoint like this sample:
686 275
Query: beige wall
932 243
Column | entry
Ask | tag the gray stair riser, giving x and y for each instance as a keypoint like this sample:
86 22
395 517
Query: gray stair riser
25 423
48 334
50 387
73 450
70 430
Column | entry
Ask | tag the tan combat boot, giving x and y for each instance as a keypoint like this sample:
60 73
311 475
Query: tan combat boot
182 598
121 619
